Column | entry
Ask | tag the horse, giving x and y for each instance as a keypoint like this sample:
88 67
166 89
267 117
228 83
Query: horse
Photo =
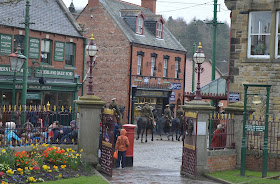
177 125
144 124
163 126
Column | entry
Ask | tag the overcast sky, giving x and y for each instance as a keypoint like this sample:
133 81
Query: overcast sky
187 9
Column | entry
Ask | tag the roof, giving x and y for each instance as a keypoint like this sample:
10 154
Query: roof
114 7
50 16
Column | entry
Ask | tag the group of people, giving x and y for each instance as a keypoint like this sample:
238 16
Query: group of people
54 133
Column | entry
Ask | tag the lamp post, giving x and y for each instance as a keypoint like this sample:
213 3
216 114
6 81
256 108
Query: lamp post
16 62
91 49
198 58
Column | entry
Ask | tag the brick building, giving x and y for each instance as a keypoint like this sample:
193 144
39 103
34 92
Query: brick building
138 56
56 50
255 51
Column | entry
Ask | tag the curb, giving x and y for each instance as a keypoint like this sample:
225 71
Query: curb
99 174
217 179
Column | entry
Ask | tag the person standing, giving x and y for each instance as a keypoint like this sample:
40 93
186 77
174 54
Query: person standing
121 145
167 114
217 140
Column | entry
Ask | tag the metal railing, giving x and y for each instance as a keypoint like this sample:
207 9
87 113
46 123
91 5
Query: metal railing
35 125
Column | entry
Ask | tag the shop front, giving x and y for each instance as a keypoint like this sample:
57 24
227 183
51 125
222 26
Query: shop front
59 87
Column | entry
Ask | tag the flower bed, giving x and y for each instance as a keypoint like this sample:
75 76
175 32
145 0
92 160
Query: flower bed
51 163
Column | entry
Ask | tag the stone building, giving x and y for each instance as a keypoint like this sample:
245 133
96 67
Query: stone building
56 50
138 56
254 49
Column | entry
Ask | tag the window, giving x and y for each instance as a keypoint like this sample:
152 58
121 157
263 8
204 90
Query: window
153 63
70 54
259 34
46 51
19 41
277 44
139 65
165 67
176 69
159 30
139 25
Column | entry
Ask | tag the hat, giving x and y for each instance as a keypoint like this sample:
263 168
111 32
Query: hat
73 122
167 105
114 99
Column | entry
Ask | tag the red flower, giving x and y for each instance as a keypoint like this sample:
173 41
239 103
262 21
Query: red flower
1 174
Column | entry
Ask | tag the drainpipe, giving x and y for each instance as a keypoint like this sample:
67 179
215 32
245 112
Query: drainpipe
84 58
229 58
184 79
130 73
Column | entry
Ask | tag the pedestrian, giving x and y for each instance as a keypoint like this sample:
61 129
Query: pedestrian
217 140
167 114
115 106
121 146
71 134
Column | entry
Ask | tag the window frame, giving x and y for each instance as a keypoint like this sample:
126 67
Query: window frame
159 32
139 64
71 56
176 69
138 25
21 43
277 35
153 64
165 67
49 58
257 34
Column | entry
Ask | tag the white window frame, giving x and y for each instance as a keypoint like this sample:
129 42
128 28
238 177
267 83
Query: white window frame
165 65
139 25
256 34
153 62
159 30
46 50
277 35
176 69
139 64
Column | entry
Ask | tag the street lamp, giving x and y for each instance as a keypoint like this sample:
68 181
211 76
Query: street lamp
91 49
199 58
16 62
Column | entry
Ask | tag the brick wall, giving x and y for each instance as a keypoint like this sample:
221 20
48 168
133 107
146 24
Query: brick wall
111 73
78 68
221 162
255 164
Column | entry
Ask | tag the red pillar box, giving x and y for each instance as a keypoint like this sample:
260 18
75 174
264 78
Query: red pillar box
129 151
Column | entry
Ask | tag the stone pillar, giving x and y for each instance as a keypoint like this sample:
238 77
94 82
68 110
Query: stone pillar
204 109
89 126
237 109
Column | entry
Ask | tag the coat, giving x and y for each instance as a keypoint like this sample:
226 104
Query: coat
217 140
122 141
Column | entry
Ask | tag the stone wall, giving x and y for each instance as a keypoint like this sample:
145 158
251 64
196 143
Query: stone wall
245 70
254 163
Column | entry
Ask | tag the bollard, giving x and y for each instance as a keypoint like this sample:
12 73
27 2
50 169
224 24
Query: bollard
129 151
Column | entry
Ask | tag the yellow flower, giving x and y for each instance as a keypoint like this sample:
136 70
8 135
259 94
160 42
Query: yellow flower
31 145
63 166
26 168
45 167
4 182
81 150
19 169
10 171
49 171
30 168
3 151
55 167
77 175
21 173
60 175
77 155
73 151
67 149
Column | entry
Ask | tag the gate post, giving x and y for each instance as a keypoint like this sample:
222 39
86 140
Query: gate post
237 109
89 126
204 109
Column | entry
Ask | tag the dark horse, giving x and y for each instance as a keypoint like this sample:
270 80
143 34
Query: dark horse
163 127
177 126
144 124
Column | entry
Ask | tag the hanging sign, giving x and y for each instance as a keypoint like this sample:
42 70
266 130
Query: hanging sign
59 51
34 48
6 44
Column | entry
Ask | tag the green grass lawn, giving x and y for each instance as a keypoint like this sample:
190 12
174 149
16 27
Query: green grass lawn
96 179
251 177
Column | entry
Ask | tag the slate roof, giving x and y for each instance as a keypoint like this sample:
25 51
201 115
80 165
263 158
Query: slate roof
50 16
113 7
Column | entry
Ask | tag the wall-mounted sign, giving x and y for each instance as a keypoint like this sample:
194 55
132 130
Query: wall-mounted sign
255 128
59 51
151 93
6 44
158 80
172 97
33 96
34 48
176 86
146 80
234 97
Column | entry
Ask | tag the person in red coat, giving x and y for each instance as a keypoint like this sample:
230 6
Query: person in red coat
121 145
217 140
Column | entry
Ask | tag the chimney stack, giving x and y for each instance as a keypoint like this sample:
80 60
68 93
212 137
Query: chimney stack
93 3
151 4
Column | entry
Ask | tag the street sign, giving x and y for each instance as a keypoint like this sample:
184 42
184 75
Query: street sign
255 128
234 97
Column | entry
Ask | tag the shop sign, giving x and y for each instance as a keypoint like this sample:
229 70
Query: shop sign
6 44
172 97
35 87
146 80
59 51
33 96
158 80
151 93
176 86
234 97
34 48
53 73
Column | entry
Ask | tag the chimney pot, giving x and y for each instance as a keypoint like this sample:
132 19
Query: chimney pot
150 4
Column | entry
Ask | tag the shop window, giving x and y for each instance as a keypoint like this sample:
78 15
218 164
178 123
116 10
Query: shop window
70 54
19 41
65 99
50 97
259 34
46 46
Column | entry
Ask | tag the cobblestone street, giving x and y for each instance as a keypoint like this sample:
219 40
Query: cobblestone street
155 162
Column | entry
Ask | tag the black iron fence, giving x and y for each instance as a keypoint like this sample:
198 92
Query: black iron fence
38 125
221 131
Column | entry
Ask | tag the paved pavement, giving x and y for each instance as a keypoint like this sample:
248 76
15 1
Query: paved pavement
156 162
